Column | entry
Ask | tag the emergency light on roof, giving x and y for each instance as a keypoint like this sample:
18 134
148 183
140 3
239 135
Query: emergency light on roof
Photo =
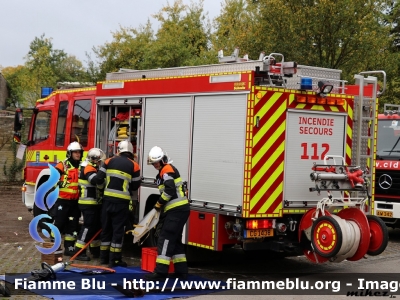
306 83
313 99
45 91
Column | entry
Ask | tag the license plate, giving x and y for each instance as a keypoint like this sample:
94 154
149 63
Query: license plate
382 213
259 233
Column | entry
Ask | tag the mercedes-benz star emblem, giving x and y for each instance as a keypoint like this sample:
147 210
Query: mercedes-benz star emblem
385 181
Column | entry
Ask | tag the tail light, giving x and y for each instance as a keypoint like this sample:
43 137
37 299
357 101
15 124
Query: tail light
260 223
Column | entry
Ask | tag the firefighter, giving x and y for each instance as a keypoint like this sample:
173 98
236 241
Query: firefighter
90 195
122 177
66 212
175 210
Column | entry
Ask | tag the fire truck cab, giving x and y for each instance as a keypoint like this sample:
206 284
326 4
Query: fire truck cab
275 155
387 185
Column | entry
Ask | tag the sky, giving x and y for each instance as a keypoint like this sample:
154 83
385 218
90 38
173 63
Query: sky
75 26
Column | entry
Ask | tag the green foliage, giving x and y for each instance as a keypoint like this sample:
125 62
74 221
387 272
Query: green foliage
183 39
45 66
15 167
350 35
21 87
130 48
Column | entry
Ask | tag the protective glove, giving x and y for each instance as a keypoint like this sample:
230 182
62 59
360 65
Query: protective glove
99 195
158 206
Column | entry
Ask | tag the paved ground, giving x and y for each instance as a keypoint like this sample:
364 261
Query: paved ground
19 255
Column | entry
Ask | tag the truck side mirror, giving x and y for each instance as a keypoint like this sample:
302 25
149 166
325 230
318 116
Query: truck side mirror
18 121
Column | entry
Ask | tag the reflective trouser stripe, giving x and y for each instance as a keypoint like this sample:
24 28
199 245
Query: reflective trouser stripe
105 246
115 249
69 237
165 260
179 258
95 243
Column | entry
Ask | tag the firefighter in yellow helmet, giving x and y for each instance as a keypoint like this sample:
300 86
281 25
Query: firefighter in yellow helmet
90 191
66 211
122 177
175 210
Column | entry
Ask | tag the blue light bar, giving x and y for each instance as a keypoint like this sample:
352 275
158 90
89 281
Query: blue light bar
45 91
306 83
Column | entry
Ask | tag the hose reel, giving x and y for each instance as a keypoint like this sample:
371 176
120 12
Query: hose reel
348 235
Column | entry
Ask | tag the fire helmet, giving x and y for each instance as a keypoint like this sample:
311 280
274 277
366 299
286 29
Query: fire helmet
74 146
95 155
157 154
125 146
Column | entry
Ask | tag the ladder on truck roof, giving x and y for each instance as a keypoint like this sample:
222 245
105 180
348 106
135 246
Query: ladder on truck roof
283 74
365 124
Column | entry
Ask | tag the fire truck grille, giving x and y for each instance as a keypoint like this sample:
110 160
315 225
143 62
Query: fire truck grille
387 183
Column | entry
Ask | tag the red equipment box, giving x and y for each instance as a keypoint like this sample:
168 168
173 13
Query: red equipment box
149 256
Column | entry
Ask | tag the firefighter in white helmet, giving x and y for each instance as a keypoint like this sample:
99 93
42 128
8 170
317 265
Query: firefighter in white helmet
65 211
175 210
122 176
90 191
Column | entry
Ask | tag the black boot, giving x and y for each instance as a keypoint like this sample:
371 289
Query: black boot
69 248
95 251
82 256
117 263
104 257
116 260
155 276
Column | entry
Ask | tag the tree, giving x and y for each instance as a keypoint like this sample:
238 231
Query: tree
182 39
49 66
184 36
392 21
342 34
45 66
21 85
130 48
232 27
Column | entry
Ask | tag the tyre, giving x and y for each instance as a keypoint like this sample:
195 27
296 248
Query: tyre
326 236
379 235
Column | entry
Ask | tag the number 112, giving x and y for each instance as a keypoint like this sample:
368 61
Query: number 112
314 150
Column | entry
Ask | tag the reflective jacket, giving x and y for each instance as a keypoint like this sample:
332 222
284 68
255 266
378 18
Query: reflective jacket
122 177
171 189
69 181
88 184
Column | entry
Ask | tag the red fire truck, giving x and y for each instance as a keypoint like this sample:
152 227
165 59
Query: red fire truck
387 186
275 155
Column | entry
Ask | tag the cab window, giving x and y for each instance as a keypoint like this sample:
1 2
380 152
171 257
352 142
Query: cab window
80 122
42 126
61 123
